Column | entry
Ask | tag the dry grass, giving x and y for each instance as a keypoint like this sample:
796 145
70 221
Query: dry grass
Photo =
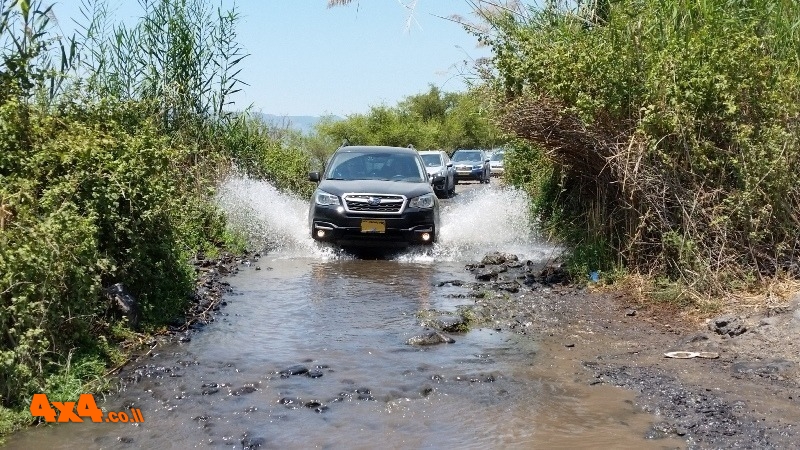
642 292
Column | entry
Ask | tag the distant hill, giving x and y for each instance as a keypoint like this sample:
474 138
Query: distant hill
304 124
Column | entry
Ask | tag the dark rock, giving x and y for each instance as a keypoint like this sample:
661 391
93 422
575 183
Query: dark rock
448 323
244 390
487 273
432 338
727 325
122 302
630 312
314 373
553 274
494 258
293 370
249 443
508 286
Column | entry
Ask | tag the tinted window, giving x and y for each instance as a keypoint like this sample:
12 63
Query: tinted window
432 159
466 156
375 166
497 157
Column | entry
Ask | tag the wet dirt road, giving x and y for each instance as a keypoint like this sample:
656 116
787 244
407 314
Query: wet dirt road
311 351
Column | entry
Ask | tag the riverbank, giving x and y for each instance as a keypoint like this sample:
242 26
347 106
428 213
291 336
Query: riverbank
744 393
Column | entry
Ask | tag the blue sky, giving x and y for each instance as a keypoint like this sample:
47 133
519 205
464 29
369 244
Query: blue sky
306 59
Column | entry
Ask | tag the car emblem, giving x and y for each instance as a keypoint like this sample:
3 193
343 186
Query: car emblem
374 201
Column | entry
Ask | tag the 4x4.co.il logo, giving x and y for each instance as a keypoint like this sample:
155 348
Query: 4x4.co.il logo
85 407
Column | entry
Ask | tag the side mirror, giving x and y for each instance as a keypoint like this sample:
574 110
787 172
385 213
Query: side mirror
313 176
449 165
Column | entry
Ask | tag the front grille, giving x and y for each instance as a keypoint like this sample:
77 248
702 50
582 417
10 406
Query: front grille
374 203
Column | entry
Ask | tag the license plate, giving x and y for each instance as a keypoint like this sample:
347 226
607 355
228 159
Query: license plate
373 226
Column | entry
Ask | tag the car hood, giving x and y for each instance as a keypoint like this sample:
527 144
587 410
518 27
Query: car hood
341 187
433 170
476 162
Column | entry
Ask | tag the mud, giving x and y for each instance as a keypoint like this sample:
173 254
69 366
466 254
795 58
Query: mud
747 397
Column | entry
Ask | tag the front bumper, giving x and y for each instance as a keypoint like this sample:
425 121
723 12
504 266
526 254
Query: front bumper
342 228
471 174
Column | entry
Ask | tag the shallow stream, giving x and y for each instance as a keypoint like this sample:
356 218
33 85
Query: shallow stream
346 321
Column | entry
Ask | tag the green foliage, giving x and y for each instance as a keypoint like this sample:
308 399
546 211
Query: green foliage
264 152
433 120
527 166
90 202
181 57
671 127
106 180
71 380
28 65
12 420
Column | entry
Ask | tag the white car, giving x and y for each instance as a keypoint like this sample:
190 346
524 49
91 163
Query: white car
441 172
496 163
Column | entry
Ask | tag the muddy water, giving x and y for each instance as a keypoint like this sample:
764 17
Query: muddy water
347 321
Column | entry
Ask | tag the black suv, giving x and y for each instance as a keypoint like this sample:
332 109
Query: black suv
374 196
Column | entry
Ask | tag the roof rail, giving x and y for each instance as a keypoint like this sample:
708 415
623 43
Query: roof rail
411 146
345 142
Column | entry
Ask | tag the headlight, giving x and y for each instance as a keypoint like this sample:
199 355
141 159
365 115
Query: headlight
323 198
477 166
423 201
442 173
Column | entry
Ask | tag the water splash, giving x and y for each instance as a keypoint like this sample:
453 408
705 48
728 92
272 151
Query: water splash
271 220
484 219
477 221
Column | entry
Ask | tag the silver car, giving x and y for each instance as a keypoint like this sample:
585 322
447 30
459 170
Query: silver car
441 172
496 163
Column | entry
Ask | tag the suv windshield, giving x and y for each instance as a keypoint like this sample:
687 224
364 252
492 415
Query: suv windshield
432 159
497 156
466 156
375 166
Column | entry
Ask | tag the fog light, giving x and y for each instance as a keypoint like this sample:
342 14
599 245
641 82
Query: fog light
340 209
426 237
320 233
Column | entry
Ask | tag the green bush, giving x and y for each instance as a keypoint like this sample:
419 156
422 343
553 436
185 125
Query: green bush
671 128
432 120
262 152
92 198
106 174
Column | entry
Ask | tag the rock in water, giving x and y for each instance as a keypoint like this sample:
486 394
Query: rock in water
494 258
432 338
